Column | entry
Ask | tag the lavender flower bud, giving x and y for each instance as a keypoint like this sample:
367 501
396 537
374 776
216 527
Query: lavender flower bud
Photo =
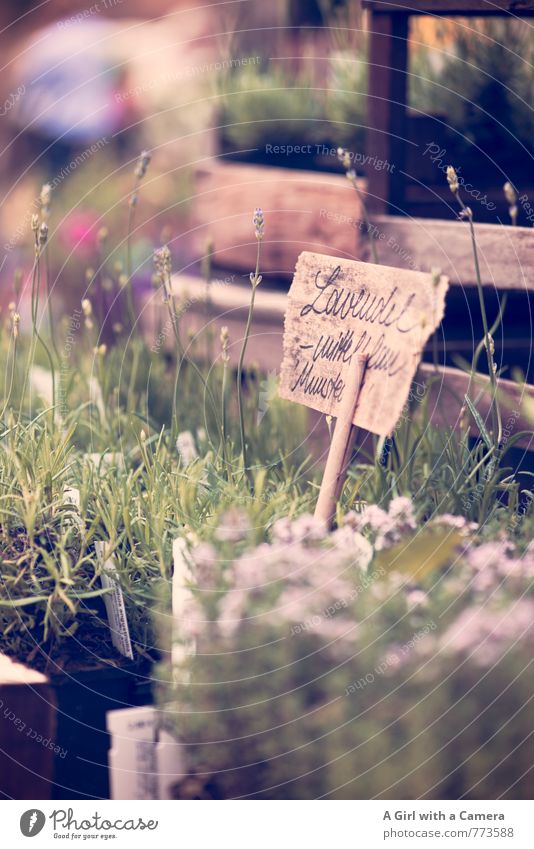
452 179
43 233
225 339
510 194
259 224
344 157
163 261
45 198
87 309
142 164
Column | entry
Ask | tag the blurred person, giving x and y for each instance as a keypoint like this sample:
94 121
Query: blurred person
97 79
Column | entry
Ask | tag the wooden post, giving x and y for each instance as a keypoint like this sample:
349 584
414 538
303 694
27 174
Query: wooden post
341 446
386 137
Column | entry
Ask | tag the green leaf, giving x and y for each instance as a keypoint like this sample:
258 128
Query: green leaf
421 554
479 422
23 602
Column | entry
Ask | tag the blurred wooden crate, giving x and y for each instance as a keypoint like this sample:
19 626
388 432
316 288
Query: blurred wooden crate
304 210
445 387
27 731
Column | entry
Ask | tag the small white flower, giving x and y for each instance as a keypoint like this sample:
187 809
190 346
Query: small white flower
354 545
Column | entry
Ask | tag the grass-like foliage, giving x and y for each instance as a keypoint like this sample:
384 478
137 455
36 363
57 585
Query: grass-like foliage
135 444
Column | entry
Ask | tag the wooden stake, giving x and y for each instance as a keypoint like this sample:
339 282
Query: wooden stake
341 446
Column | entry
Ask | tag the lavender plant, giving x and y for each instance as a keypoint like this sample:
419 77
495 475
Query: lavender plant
255 280
113 437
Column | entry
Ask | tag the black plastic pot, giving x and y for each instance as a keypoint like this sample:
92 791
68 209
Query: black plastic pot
83 699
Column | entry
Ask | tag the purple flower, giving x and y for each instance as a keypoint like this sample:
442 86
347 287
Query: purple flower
259 224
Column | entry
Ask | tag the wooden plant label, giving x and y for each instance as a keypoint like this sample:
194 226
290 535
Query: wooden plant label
340 310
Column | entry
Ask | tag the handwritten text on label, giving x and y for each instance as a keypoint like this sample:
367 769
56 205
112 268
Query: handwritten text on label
339 308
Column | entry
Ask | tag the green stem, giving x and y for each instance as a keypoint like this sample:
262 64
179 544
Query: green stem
129 284
36 337
480 347
169 301
254 282
49 304
133 376
207 305
496 417
224 434
31 350
495 412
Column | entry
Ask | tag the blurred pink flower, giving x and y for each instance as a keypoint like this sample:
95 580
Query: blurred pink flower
485 634
305 529
206 563
78 231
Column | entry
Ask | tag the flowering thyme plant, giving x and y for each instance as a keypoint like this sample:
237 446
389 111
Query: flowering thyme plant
308 647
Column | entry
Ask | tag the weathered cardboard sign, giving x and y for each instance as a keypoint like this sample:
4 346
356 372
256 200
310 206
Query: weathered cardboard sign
338 308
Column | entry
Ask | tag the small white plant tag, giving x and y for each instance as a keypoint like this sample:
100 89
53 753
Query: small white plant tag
145 759
132 756
114 601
